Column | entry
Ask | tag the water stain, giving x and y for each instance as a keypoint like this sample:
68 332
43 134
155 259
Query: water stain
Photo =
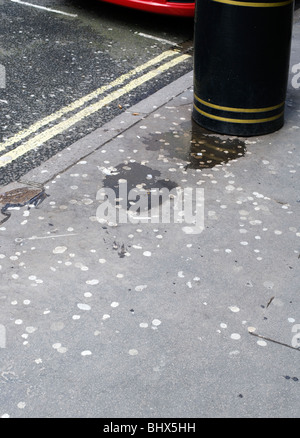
196 146
138 178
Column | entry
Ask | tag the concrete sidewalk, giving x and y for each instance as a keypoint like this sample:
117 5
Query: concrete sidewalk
146 320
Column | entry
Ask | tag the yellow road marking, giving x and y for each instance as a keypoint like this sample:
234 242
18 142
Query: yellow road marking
49 133
80 102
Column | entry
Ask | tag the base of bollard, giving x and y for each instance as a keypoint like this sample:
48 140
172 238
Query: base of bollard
240 129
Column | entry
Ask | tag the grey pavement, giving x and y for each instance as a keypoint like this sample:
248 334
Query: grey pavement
157 320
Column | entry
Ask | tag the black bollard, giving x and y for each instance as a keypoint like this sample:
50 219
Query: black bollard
241 65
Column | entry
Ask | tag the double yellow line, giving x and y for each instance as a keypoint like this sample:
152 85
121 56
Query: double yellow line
48 133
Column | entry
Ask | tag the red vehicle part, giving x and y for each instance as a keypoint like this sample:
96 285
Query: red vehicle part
183 8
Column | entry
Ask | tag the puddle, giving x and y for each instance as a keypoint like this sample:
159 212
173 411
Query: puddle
137 177
199 148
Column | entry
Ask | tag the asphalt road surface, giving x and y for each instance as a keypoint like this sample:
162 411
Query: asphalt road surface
69 66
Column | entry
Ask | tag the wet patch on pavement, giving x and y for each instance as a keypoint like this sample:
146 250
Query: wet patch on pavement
199 148
137 177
